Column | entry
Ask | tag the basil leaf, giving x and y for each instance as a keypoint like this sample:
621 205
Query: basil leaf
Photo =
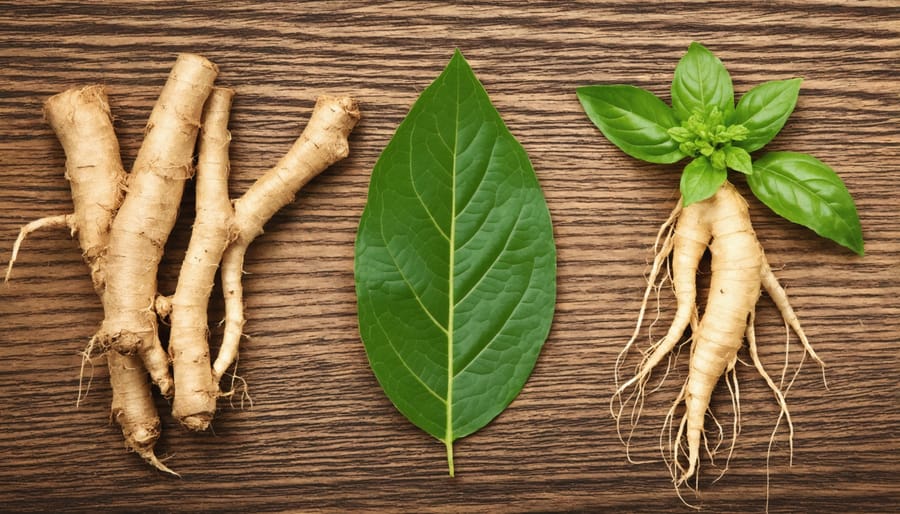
700 180
738 159
455 262
763 111
804 190
633 119
701 83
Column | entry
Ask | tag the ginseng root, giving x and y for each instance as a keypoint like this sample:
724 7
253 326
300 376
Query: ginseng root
738 271
82 122
195 391
322 143
147 216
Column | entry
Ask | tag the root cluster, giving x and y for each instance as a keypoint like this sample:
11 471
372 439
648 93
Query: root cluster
123 220
739 271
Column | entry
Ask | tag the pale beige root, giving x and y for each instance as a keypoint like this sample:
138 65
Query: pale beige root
734 390
82 122
322 143
739 271
689 243
662 247
734 289
133 408
780 298
686 240
147 215
58 221
782 402
81 119
195 391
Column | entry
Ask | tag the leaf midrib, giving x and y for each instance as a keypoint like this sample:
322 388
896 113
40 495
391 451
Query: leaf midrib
451 303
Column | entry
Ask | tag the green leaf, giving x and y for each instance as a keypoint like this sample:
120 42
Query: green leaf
738 159
804 190
700 180
763 111
455 262
701 82
633 119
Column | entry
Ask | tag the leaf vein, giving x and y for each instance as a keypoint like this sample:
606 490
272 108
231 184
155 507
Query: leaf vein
412 182
494 261
399 355
500 330
409 284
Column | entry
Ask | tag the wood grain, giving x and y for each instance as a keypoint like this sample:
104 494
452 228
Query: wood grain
320 434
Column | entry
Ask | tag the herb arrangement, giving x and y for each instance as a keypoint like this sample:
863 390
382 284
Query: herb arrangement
455 259
123 220
705 126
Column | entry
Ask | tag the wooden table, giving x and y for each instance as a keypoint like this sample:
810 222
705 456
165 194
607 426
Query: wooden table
320 433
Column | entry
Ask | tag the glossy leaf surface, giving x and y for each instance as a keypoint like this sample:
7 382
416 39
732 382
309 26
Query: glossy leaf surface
802 189
764 110
700 84
455 262
633 119
700 180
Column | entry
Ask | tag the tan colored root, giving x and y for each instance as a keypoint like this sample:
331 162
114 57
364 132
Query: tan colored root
780 298
233 291
671 457
734 290
731 380
147 216
662 247
132 407
739 272
195 391
322 143
782 403
685 248
83 124
233 389
58 221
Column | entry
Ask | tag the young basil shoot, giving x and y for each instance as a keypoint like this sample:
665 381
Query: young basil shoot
705 126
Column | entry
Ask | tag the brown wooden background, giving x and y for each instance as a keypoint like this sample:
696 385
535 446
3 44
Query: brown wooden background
321 434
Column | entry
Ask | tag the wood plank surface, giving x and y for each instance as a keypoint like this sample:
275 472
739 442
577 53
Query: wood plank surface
321 435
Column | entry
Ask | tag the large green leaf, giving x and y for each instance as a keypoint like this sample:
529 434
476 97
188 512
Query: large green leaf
634 119
803 189
455 262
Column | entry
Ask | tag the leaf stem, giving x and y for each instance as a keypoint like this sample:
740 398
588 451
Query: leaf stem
449 444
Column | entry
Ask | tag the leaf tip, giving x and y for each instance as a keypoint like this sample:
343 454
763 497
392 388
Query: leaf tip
696 46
